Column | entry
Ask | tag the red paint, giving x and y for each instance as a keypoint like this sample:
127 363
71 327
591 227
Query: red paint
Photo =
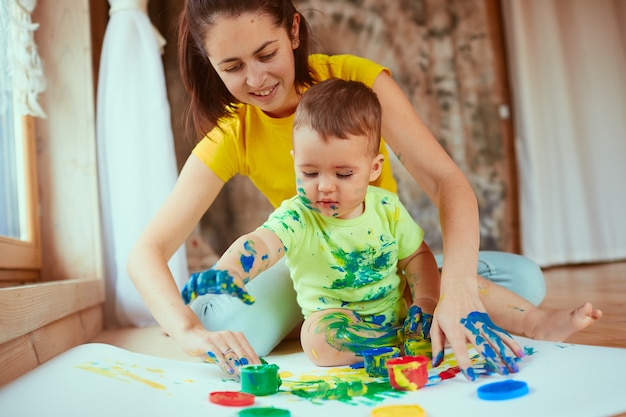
449 373
413 368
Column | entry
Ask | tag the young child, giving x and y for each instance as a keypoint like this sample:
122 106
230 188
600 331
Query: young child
352 248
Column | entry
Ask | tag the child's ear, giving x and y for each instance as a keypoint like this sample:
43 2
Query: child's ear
377 167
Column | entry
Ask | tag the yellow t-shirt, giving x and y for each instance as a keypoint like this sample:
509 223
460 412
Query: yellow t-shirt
253 144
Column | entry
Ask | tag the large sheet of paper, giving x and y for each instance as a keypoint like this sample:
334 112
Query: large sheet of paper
103 380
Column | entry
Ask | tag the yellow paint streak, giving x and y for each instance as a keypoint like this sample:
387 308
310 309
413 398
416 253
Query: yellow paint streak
314 353
151 384
104 372
117 372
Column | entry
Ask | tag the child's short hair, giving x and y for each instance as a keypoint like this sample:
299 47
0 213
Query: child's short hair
337 108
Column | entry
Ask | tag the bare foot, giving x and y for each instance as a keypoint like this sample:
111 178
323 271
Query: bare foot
558 325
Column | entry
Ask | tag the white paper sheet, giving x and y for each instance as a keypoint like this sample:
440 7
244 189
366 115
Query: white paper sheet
103 380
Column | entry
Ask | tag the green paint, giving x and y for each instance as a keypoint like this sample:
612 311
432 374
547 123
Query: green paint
345 333
361 268
264 412
307 203
260 379
348 392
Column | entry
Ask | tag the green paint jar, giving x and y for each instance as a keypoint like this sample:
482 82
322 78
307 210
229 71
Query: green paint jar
376 360
260 379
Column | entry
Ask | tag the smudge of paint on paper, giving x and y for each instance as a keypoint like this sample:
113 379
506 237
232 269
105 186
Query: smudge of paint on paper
347 385
130 373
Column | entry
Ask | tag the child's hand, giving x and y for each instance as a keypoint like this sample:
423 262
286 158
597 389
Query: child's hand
414 318
213 281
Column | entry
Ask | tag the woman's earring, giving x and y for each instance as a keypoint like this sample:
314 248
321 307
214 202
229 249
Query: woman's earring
296 43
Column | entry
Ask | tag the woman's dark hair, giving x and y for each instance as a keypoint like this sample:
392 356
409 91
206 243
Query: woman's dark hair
210 100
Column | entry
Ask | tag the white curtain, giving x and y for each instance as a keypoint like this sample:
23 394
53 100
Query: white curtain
21 71
568 68
136 158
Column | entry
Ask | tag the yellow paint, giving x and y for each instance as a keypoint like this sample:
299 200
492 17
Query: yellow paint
117 372
104 372
314 353
418 347
399 376
413 410
145 381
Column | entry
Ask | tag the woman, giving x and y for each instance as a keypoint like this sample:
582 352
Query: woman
245 64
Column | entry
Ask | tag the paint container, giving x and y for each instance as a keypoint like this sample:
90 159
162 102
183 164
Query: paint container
412 410
408 373
418 347
376 360
260 379
264 412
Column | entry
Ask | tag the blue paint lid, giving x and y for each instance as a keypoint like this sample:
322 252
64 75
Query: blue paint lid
503 390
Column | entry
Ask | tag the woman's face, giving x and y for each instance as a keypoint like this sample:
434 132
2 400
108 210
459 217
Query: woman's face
254 58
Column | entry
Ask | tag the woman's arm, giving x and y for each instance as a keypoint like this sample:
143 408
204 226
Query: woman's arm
432 168
246 258
194 192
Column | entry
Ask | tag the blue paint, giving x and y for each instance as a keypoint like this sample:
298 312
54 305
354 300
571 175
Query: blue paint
247 261
479 324
416 318
213 281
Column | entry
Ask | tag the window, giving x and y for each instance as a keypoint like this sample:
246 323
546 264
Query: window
20 257
64 306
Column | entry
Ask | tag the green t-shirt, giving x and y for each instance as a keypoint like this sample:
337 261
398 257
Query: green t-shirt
352 263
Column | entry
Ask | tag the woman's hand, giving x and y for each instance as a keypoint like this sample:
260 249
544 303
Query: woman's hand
229 350
460 318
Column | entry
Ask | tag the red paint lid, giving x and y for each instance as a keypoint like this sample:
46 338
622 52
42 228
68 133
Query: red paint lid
231 398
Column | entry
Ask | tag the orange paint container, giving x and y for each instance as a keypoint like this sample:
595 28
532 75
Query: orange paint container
408 373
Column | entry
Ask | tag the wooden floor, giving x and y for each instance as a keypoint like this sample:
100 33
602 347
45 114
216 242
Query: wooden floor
602 284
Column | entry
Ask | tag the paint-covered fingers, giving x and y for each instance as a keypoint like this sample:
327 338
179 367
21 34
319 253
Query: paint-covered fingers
459 348
233 352
438 340
417 320
493 343
413 319
213 281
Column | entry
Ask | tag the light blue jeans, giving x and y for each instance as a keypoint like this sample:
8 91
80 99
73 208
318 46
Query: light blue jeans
275 312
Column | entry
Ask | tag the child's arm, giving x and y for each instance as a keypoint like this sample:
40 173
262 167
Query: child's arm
247 257
423 278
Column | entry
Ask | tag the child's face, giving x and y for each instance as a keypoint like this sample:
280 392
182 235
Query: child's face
332 176
254 58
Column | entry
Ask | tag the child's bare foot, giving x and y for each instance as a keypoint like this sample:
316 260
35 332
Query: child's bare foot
558 325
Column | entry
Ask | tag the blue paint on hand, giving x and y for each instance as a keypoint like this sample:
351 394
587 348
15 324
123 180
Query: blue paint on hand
415 318
489 343
213 281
